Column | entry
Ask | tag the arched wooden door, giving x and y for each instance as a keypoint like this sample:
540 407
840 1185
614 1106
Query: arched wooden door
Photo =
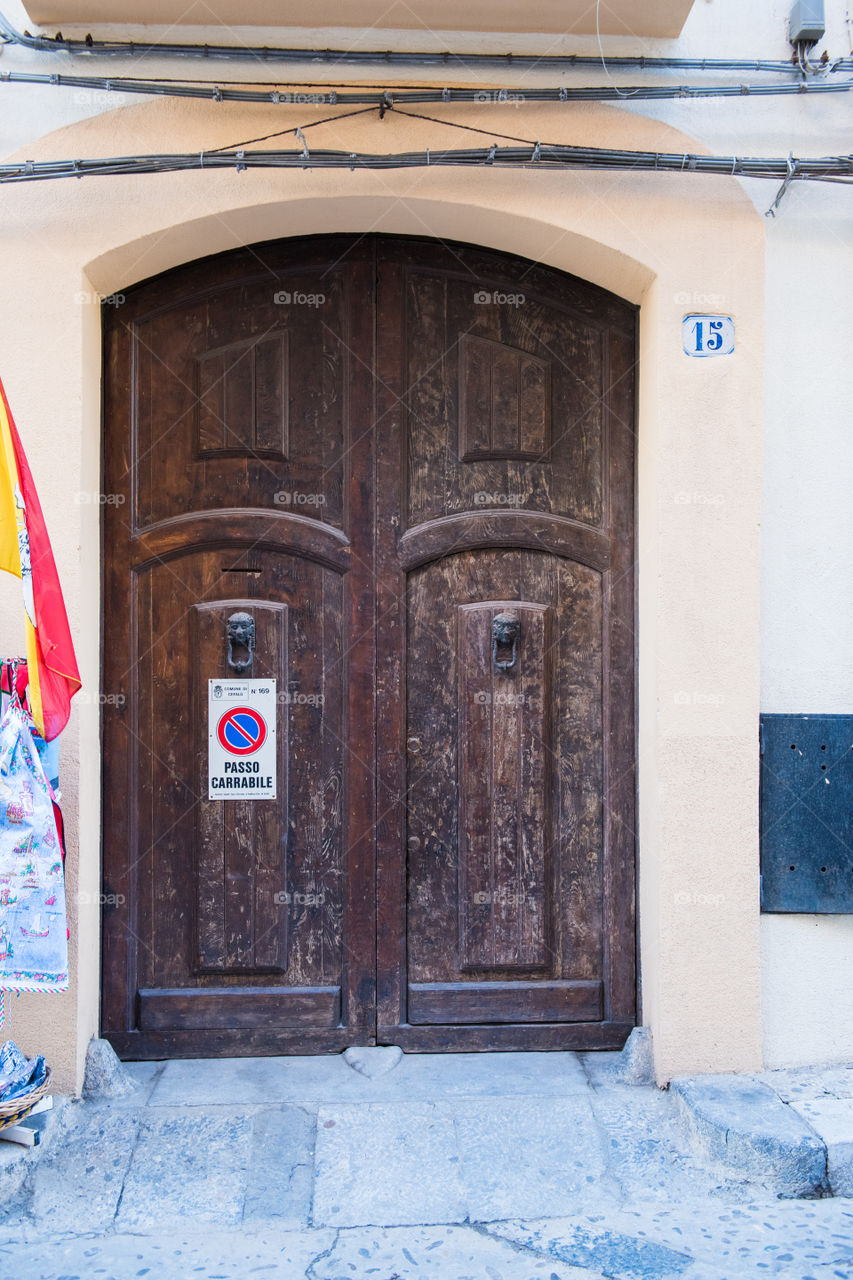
412 465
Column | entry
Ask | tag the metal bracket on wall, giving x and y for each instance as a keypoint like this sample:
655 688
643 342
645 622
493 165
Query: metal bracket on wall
806 808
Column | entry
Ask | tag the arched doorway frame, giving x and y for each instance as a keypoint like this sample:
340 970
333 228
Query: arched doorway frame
654 242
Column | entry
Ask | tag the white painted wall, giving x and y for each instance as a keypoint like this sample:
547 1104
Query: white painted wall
807 580
807 991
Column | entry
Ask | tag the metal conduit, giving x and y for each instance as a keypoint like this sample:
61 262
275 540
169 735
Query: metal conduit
542 156
397 58
390 97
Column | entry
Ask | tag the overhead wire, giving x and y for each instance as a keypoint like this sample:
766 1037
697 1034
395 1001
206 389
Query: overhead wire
284 96
312 124
469 128
389 57
622 93
543 156
548 156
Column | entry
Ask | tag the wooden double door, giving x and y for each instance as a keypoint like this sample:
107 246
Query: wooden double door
411 464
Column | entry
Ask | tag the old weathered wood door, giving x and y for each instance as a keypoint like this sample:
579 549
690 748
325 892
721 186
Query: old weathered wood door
412 464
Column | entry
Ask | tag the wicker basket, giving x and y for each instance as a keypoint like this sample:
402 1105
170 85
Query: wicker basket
16 1109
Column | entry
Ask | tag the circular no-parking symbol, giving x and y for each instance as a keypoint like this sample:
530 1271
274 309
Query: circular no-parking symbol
241 731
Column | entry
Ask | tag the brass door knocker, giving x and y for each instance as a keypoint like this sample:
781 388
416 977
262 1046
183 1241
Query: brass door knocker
240 634
506 631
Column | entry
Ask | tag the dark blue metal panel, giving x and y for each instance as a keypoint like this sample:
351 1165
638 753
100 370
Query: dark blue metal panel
807 813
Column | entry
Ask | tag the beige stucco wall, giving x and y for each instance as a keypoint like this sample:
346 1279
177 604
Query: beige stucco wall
619 17
653 239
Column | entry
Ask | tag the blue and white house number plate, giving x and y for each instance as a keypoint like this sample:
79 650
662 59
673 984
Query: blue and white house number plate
704 335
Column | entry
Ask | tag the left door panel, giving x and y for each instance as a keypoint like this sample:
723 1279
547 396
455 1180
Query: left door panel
231 389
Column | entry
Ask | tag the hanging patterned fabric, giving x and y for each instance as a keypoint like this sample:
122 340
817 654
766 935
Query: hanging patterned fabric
33 928
15 672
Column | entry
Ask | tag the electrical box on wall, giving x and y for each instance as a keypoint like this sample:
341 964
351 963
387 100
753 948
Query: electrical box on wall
806 814
808 23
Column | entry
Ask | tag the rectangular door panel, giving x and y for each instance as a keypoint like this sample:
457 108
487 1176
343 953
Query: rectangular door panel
231 1008
241 855
505 816
505 902
468 1003
261 901
242 400
502 400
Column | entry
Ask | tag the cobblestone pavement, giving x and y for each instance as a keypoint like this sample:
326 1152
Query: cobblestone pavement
463 1167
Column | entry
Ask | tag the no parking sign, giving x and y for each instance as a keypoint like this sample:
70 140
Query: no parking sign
241 739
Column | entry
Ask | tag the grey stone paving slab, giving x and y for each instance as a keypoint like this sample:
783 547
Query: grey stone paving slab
779 1237
601 1068
595 1244
386 1164
18 1163
793 1240
832 1121
281 1170
436 1253
837 1081
742 1124
178 1255
262 1082
647 1151
796 1084
529 1156
484 1075
832 1271
430 1077
14 1215
188 1167
759 1238
77 1184
615 1190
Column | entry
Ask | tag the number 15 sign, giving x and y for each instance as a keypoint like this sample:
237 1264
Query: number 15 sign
708 335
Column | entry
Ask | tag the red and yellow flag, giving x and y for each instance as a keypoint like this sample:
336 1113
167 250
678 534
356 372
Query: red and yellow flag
25 551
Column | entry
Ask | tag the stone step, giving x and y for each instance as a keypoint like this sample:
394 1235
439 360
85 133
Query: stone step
742 1126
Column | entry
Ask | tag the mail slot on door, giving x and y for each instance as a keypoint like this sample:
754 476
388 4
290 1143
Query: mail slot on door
807 814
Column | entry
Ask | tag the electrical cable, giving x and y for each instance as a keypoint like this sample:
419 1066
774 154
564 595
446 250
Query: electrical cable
334 97
543 156
469 128
247 142
622 93
400 58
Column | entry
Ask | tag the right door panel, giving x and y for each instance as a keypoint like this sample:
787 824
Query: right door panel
506 404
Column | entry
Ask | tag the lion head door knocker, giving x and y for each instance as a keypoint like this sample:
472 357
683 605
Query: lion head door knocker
240 633
506 632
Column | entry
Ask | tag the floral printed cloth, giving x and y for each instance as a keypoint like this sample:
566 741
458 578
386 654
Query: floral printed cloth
33 930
